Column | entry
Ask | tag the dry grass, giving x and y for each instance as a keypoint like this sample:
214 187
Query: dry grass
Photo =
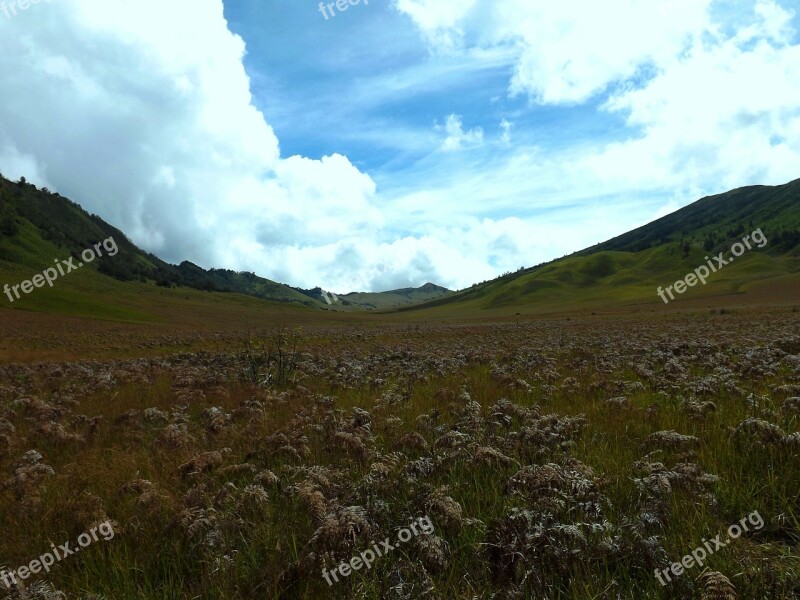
558 459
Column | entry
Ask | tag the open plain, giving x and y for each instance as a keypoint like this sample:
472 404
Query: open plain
556 457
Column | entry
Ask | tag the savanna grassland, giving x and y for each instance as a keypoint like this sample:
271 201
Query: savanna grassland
555 458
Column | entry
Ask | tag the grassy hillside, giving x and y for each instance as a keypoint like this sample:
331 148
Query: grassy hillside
629 269
716 221
37 226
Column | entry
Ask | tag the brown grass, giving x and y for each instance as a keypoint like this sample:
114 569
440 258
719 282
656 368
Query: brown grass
555 458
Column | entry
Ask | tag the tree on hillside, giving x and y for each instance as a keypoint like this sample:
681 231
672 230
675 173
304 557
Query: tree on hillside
8 221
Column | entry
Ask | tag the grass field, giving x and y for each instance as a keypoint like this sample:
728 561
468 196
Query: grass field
556 457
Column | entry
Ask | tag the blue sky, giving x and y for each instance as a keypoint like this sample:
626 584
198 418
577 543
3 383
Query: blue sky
365 85
401 141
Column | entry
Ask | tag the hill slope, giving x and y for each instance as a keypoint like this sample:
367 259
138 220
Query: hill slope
37 226
629 268
716 220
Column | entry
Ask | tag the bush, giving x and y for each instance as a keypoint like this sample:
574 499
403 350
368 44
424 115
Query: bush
272 359
9 226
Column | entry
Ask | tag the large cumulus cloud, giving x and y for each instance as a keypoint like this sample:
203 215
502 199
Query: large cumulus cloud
142 111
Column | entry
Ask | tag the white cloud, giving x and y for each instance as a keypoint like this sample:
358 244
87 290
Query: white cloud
775 21
143 113
440 20
708 105
567 51
506 126
720 113
15 164
457 138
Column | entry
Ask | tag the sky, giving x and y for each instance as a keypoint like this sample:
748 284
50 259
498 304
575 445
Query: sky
398 141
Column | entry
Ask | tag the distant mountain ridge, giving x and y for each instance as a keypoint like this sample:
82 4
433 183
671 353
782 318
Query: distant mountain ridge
377 300
394 298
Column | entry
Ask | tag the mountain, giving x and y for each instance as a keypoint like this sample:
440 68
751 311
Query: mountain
377 300
716 220
394 298
628 269
36 226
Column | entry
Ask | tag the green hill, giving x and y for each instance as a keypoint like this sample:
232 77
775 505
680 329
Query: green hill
37 226
358 301
629 268
716 221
